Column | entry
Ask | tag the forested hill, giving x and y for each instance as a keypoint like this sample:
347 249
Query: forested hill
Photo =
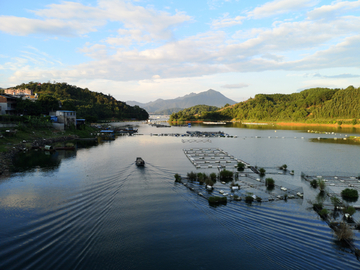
316 104
87 104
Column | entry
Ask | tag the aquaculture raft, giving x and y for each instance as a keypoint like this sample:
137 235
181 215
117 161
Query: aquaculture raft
211 158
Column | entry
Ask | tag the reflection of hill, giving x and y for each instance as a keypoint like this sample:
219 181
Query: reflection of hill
45 161
85 143
337 141
28 161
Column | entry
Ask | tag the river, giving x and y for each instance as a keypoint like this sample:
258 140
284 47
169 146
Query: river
94 209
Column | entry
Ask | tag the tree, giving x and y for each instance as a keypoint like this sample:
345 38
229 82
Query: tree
240 166
322 185
269 182
48 103
336 202
226 175
350 194
262 171
350 210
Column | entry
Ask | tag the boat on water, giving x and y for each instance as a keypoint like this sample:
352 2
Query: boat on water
139 162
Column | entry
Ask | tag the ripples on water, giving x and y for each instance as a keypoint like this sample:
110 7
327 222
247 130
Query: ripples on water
99 211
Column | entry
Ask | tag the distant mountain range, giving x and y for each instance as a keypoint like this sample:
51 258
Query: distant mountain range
161 106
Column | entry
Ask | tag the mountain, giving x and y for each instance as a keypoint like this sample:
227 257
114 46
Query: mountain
210 97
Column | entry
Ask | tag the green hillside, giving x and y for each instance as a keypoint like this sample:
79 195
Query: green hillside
194 113
87 104
311 105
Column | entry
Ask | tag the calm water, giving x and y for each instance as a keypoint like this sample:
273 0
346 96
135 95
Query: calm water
94 209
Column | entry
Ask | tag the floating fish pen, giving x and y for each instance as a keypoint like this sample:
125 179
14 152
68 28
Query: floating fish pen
196 141
159 125
210 157
334 183
207 134
241 189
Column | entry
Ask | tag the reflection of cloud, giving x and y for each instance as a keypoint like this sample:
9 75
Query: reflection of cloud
234 86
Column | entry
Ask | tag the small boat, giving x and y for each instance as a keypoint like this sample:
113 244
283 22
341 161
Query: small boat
139 162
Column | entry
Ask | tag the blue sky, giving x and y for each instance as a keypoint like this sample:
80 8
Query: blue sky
144 50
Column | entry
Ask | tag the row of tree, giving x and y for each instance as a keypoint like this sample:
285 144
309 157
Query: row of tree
311 104
89 105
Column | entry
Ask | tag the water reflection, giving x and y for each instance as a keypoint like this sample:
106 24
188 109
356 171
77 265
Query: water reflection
33 160
47 161
335 141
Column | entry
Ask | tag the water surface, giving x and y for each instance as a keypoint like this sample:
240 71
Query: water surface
94 209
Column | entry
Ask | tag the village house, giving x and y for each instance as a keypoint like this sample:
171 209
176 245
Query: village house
63 119
21 93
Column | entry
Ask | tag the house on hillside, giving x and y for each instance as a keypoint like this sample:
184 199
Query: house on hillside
7 104
63 119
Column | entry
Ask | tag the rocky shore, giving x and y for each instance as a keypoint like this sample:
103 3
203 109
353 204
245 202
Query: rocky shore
6 158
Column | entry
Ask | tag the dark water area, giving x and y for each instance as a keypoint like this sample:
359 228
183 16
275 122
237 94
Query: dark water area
94 209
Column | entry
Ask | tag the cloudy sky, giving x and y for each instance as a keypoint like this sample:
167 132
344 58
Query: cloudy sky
147 49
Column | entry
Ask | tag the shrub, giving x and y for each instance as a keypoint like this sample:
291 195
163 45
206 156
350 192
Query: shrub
226 175
318 206
349 210
177 177
191 176
262 171
321 184
269 182
350 194
284 167
335 201
200 178
249 199
323 212
342 231
213 177
240 166
314 183
217 200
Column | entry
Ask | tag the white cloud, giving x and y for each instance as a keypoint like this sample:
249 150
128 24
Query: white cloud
333 10
235 86
225 21
24 26
279 7
291 45
72 19
344 54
